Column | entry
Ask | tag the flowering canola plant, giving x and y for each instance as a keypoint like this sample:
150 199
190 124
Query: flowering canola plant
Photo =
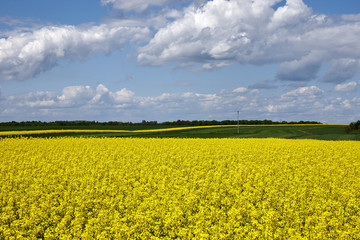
150 188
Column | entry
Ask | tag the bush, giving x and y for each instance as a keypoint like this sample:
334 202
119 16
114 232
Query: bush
353 126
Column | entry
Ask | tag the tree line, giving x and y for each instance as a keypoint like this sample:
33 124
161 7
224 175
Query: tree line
153 123
353 126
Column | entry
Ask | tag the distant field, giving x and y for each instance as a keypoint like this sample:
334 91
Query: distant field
322 132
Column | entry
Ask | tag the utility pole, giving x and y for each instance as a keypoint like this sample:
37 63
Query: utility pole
238 131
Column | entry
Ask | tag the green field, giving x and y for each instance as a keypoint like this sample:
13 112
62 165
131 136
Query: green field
322 132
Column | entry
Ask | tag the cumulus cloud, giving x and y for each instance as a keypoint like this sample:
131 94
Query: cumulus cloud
304 92
26 54
344 108
35 99
85 101
75 95
243 90
347 87
204 35
240 90
221 32
302 103
103 104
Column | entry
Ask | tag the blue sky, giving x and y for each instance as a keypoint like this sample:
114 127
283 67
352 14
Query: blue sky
165 60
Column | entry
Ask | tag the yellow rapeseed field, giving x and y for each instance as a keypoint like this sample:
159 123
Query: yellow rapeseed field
137 188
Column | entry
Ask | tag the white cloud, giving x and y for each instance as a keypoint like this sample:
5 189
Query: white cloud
204 35
221 32
75 95
304 92
281 107
340 107
290 14
103 104
36 99
101 95
240 90
26 54
123 96
84 101
243 90
346 87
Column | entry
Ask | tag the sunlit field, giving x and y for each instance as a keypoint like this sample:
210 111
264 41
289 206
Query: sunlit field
149 188
83 188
